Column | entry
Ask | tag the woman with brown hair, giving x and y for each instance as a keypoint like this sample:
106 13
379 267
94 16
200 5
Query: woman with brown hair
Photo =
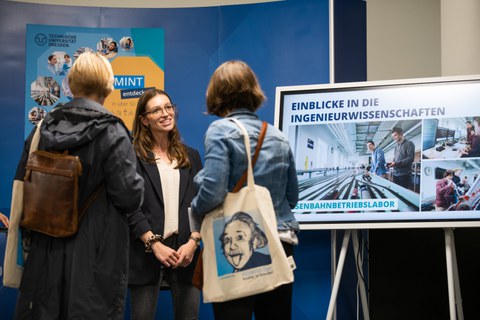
162 247
234 92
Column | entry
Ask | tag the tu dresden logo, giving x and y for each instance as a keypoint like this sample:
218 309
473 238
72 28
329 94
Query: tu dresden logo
41 39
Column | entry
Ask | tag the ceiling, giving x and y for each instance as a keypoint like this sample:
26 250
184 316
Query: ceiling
145 3
354 136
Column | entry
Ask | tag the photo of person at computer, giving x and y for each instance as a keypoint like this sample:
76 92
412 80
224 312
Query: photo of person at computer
451 138
451 185
473 147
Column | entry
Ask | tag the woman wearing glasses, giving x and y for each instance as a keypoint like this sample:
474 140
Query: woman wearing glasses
162 248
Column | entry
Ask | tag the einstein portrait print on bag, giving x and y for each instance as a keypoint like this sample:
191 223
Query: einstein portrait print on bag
242 243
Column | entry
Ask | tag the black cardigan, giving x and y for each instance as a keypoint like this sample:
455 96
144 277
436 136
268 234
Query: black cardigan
144 267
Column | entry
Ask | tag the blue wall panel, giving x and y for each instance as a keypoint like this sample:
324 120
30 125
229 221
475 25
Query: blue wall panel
286 43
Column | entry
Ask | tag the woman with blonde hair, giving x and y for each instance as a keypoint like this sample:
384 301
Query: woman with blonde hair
84 276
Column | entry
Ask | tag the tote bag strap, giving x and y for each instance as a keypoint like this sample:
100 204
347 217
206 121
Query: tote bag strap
36 138
249 173
261 137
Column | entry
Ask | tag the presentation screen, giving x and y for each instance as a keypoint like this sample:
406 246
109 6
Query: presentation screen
386 154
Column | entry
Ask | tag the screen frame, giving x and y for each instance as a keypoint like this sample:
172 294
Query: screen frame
281 92
433 129
456 135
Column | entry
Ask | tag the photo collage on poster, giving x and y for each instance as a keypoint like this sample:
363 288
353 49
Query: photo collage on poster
451 164
52 51
51 85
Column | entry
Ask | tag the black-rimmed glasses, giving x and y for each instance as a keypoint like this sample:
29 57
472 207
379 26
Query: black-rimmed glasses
169 109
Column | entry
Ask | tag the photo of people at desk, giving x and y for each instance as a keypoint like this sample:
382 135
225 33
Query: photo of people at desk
451 185
451 138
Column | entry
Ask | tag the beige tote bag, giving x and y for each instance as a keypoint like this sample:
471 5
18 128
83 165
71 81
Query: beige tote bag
242 253
12 264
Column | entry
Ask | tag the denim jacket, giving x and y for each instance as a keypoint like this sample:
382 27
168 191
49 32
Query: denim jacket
378 162
226 160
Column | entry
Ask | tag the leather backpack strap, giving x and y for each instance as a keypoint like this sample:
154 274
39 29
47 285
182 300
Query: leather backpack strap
90 200
261 137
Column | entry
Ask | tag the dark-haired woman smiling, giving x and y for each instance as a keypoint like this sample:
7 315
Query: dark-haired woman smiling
162 247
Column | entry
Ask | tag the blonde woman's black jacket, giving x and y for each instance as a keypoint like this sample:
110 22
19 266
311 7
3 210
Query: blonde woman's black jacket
84 276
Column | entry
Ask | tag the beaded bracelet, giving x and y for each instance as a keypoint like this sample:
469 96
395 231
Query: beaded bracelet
151 240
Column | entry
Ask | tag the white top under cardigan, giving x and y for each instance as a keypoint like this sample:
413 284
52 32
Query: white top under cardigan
170 181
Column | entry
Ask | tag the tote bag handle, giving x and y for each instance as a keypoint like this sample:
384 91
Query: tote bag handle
36 138
261 137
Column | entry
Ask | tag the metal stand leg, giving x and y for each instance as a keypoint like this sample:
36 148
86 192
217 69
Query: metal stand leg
454 293
333 265
359 262
338 276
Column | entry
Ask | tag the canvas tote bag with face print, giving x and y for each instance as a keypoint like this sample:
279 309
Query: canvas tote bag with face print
242 253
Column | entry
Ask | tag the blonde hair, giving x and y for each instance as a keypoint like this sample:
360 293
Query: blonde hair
91 74
233 86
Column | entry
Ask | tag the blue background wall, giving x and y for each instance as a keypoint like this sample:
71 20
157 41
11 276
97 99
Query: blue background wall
286 43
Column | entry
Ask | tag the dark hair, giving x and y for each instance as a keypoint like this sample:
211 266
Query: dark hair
448 173
50 57
370 141
143 139
115 49
398 130
233 86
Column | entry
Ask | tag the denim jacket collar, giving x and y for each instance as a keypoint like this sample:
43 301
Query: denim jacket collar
241 111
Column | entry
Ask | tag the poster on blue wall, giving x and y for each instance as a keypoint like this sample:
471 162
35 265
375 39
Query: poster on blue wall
136 55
